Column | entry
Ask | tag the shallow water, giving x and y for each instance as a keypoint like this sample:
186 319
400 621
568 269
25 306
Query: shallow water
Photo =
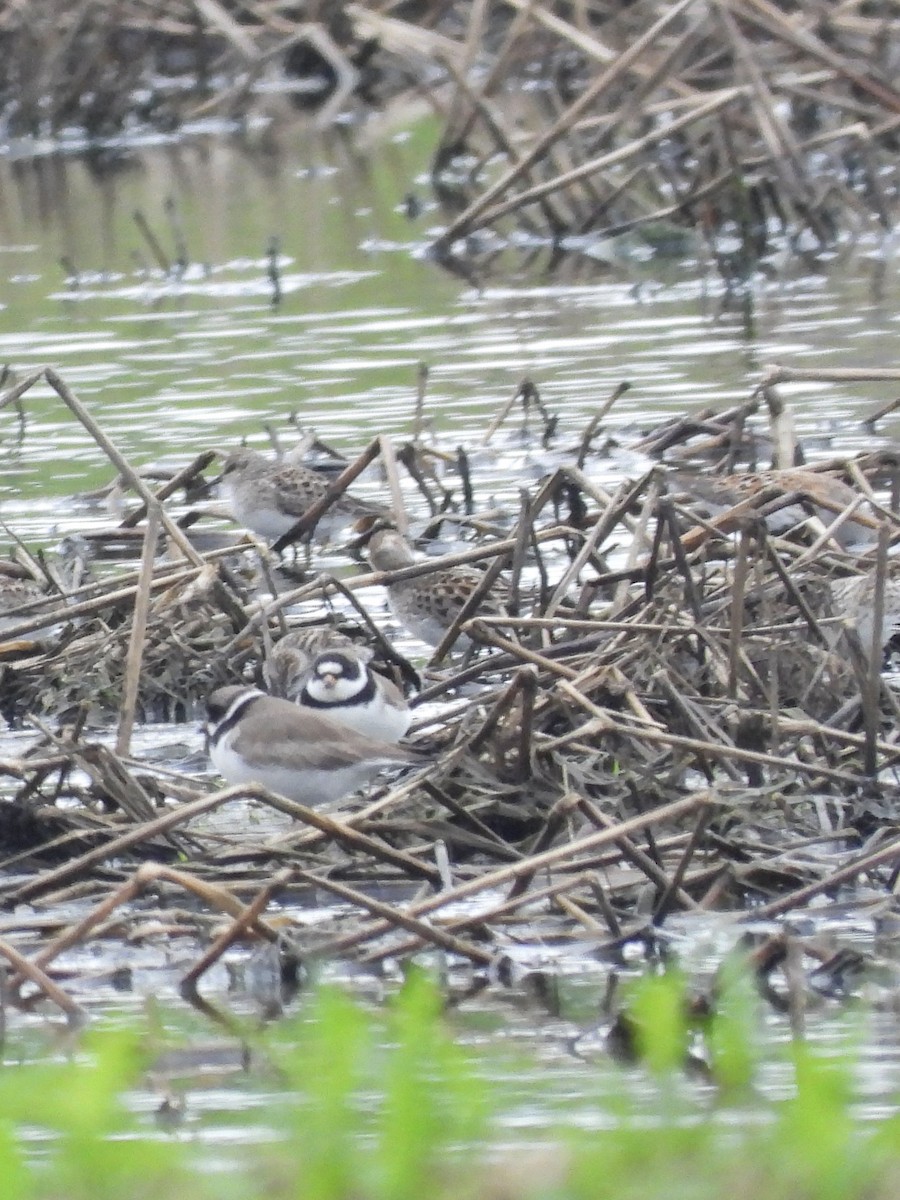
172 365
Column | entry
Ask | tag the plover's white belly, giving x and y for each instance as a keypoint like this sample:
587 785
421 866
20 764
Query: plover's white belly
307 786
378 720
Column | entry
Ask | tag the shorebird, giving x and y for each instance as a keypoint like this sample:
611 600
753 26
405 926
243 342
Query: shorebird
270 498
324 670
18 588
306 757
853 600
823 493
341 685
288 663
428 604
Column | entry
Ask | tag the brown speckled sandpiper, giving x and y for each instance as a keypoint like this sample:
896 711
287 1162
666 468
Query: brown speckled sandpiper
269 497
428 604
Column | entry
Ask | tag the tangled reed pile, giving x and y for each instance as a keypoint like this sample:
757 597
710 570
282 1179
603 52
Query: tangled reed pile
683 711
750 123
753 125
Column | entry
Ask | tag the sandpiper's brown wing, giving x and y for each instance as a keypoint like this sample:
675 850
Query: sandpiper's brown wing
289 665
296 489
443 594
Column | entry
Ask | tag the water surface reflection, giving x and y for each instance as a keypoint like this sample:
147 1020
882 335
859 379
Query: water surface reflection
173 361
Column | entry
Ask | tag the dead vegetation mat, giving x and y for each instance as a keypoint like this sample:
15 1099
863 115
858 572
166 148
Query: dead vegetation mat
676 714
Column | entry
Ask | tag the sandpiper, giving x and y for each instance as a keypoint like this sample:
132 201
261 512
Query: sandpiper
824 494
853 600
306 757
428 604
270 498
289 662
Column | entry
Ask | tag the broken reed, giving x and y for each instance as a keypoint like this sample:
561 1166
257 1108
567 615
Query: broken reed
737 119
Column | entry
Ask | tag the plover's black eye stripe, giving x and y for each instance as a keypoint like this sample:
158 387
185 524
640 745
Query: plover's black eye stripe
236 710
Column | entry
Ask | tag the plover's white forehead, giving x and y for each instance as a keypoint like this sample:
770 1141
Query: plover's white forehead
336 663
330 666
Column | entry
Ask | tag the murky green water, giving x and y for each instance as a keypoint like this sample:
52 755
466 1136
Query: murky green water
172 365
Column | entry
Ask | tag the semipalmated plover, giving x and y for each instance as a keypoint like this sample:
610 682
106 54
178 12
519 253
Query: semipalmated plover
428 604
308 758
341 685
270 498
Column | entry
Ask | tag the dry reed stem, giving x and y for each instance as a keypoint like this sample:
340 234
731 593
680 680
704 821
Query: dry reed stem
118 460
638 857
635 148
74 1012
180 479
138 632
245 921
885 856
469 608
389 462
132 837
768 17
667 665
311 517
504 908
146 876
619 67
567 854
395 918
604 722
346 836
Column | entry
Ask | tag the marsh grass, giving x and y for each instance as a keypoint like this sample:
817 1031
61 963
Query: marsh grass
393 1105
